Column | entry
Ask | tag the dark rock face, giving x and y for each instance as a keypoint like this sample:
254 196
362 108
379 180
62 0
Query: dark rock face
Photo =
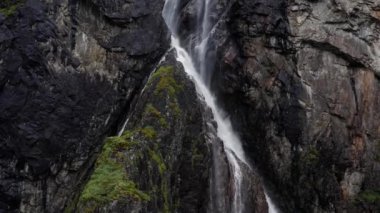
176 160
170 159
300 78
68 70
173 156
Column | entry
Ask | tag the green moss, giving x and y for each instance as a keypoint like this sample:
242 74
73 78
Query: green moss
109 182
369 196
163 122
158 160
151 111
149 132
165 196
175 108
164 188
9 7
311 156
166 82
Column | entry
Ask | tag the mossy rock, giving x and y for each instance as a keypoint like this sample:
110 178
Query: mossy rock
311 157
150 148
164 188
110 182
149 132
158 160
369 196
166 81
164 84
9 7
151 111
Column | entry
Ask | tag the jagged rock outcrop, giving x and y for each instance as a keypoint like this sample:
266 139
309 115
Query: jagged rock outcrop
69 71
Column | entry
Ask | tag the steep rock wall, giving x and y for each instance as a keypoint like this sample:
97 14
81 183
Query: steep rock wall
69 71
301 80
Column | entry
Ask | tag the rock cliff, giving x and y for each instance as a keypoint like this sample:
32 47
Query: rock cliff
68 72
300 80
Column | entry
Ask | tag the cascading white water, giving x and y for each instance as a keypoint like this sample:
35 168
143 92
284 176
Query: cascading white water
232 144
203 37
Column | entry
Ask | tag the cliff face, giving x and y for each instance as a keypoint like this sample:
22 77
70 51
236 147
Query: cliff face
166 155
299 78
169 158
68 72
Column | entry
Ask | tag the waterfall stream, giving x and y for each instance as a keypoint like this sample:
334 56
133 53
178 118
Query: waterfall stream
196 66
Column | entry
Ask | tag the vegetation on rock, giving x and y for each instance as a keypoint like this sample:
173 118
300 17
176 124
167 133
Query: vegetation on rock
9 7
164 188
149 132
158 160
109 181
139 147
311 157
369 196
151 111
166 82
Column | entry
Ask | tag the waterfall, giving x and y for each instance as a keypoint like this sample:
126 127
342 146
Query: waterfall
231 142
196 67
